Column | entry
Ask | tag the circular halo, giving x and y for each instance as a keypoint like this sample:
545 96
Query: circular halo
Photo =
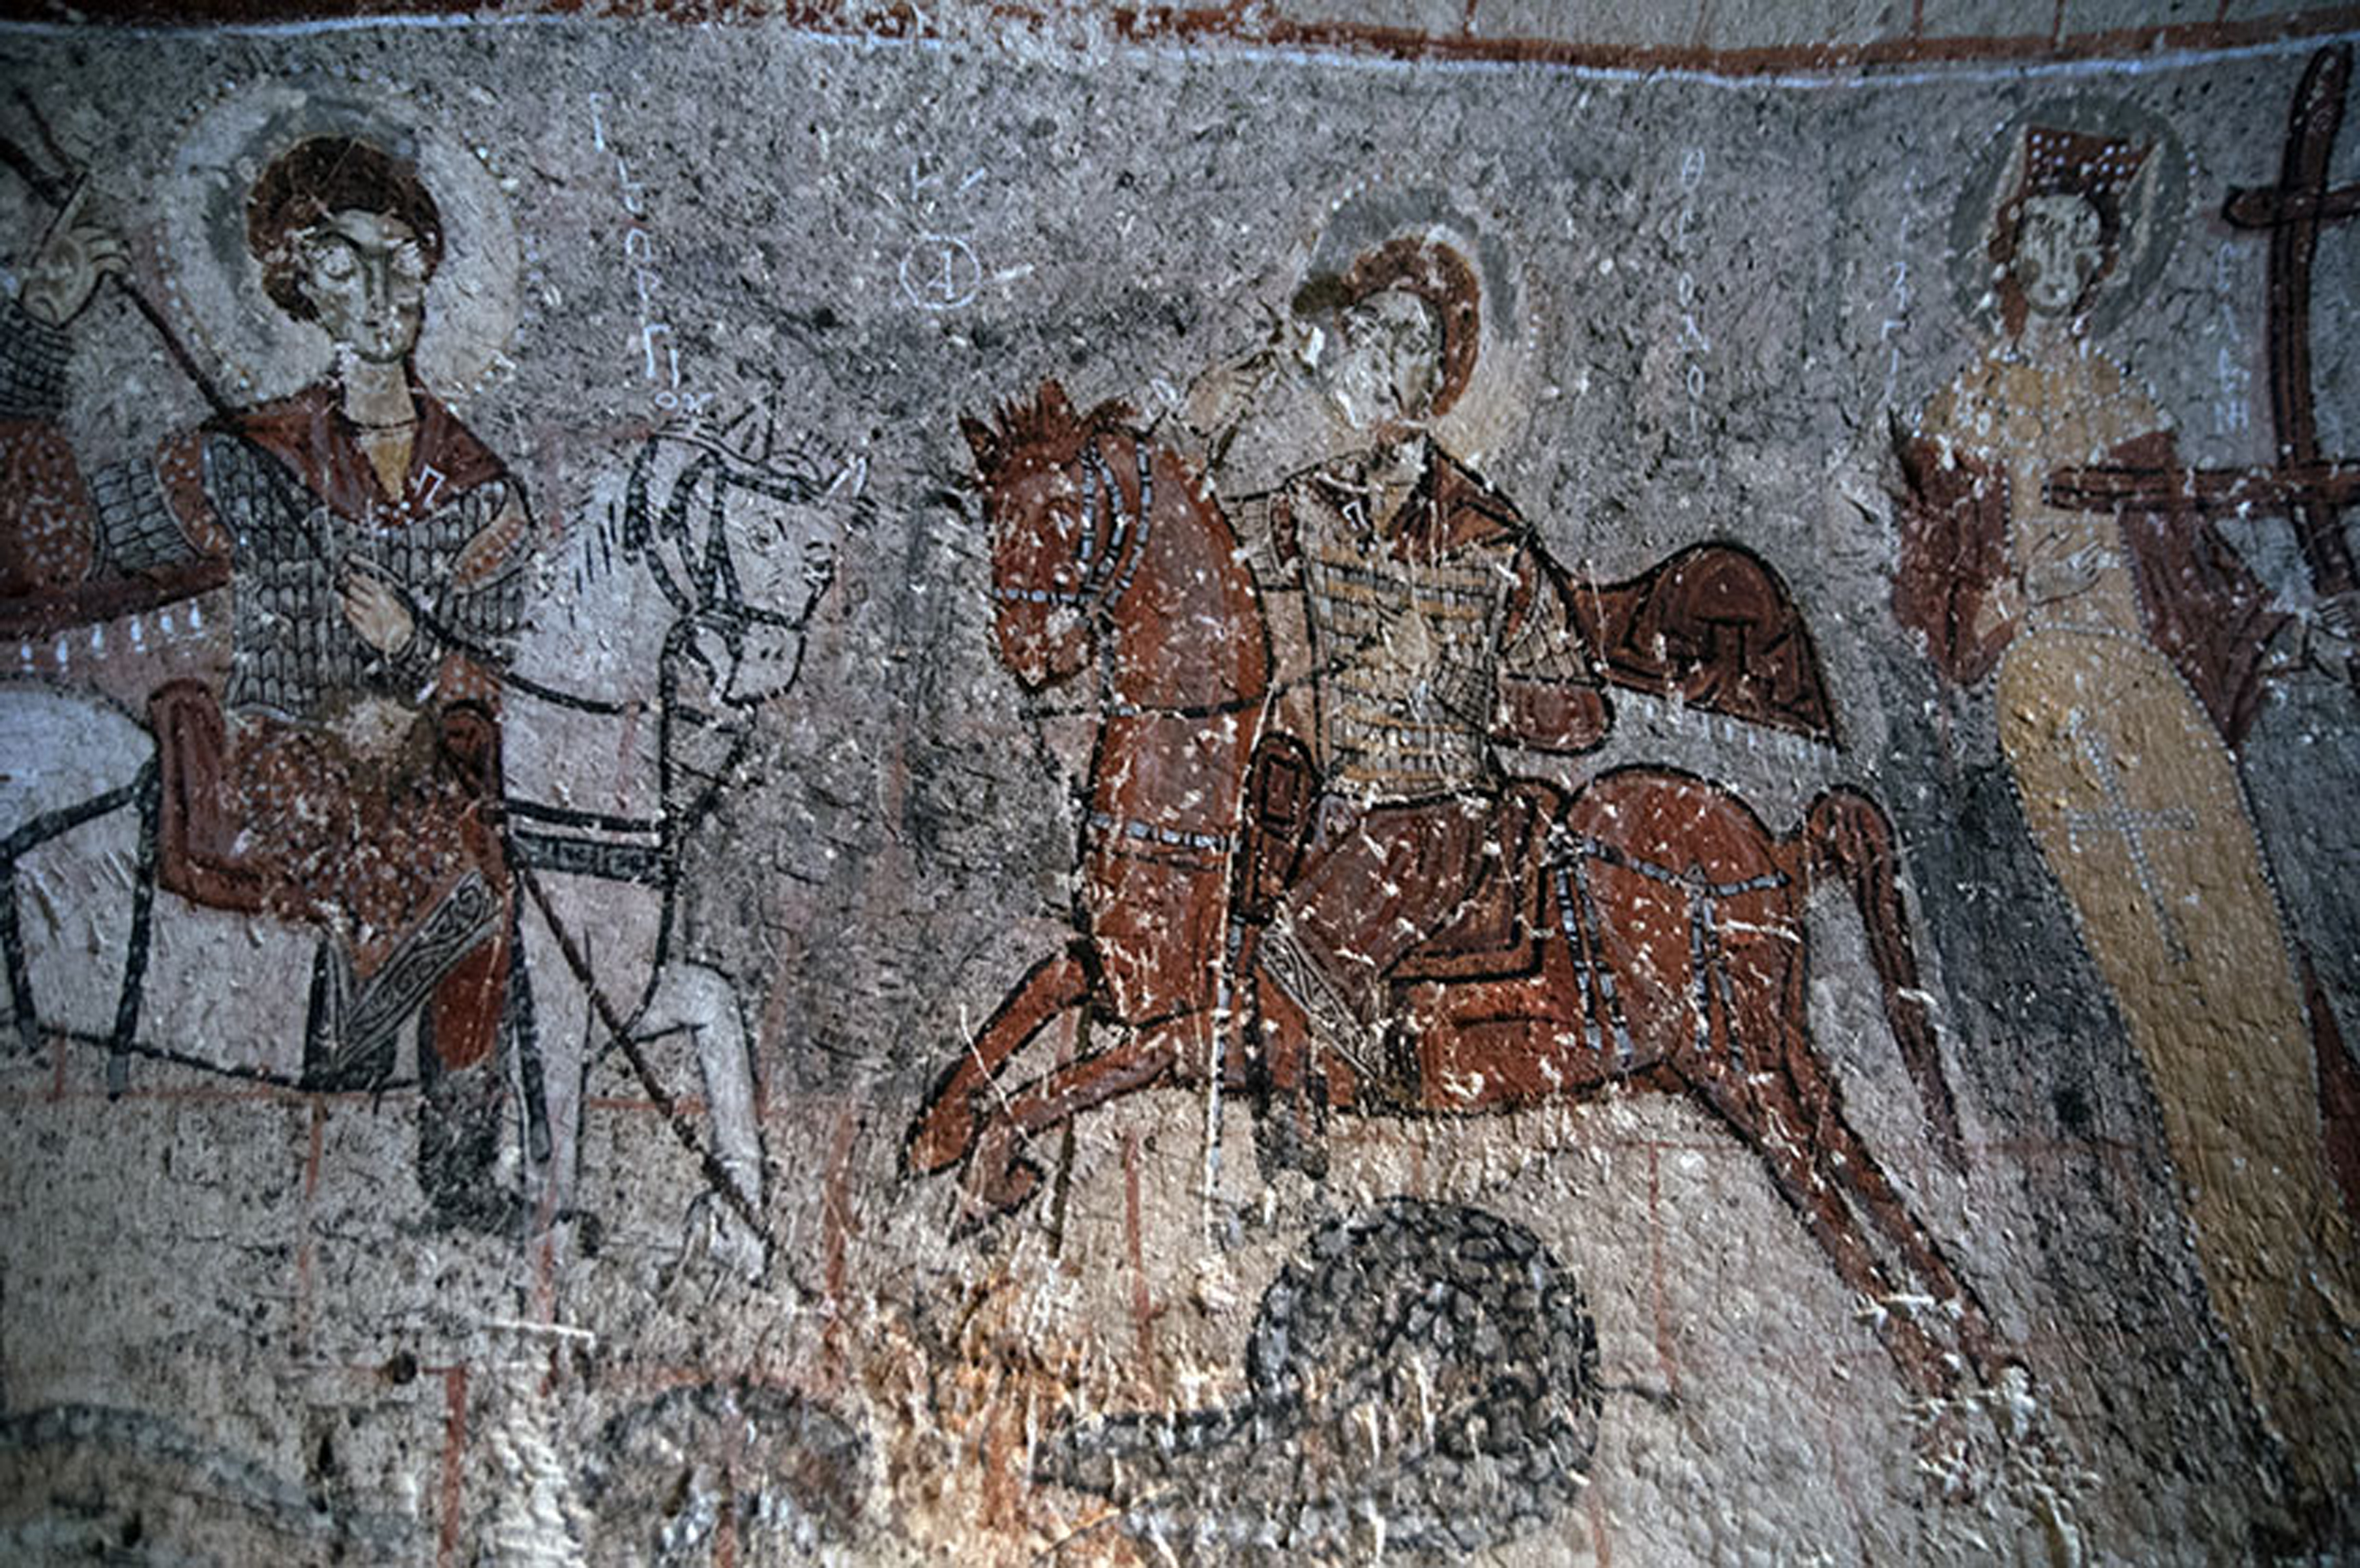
1491 414
214 284
2155 210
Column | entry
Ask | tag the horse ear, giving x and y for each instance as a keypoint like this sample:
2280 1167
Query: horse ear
984 441
1054 407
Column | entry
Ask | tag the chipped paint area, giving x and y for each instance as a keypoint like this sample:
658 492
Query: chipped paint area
1181 786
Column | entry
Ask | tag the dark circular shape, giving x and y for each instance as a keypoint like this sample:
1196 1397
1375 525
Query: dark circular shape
1446 1366
1423 1383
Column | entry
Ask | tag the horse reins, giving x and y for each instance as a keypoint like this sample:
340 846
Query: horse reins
1106 575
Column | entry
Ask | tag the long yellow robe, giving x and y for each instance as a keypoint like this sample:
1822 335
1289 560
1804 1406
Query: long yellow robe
2136 806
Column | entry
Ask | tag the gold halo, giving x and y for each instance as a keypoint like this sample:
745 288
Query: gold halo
214 285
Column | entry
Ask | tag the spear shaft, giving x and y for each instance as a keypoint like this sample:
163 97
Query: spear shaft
57 192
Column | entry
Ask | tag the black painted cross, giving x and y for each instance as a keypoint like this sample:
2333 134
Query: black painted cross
2303 487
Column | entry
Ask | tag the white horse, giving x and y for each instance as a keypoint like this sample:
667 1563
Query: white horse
624 716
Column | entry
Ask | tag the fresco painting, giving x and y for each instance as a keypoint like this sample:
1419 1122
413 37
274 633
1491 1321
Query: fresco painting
861 825
2128 650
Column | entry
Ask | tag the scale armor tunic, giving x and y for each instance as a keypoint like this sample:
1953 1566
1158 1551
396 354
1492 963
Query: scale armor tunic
298 656
1433 638
1416 633
349 788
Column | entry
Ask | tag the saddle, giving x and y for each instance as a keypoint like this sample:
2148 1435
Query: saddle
1494 932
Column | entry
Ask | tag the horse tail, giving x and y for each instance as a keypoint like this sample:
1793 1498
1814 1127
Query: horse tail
1847 835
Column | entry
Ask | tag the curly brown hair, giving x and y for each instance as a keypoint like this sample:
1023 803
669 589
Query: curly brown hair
323 175
1435 274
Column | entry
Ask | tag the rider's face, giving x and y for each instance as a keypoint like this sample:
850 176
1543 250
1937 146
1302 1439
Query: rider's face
365 276
1383 364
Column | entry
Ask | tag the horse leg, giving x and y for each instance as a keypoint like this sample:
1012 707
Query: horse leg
143 923
1846 1161
701 1000
1291 1110
1766 1115
947 1126
1005 1178
29 837
1848 834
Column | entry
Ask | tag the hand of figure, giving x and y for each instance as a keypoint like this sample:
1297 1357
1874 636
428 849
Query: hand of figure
66 269
1998 610
1225 394
2060 565
377 612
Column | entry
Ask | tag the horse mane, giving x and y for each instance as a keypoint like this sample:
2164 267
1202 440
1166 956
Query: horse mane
1043 429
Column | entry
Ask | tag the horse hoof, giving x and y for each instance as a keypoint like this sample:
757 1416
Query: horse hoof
1291 1136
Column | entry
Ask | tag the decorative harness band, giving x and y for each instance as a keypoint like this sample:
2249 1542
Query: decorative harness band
1105 576
1151 833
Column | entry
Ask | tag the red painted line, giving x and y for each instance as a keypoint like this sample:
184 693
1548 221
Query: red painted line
1174 25
304 1248
1595 1505
625 750
311 1153
770 1030
455 1445
1254 30
838 1222
1142 1306
544 1263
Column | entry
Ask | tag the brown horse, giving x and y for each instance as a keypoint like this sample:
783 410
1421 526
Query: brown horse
1648 932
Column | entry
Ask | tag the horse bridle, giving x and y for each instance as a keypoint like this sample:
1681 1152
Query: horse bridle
1106 575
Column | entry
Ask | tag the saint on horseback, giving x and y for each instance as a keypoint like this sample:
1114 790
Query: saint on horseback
320 606
1305 871
341 770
